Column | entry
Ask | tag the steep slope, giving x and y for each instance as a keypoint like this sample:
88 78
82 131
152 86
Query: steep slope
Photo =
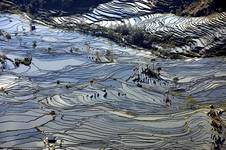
180 7
165 33
152 23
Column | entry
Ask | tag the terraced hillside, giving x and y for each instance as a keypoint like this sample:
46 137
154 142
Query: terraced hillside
61 88
164 32
160 29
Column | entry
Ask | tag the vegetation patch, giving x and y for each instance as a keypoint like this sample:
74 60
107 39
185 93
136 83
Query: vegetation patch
139 38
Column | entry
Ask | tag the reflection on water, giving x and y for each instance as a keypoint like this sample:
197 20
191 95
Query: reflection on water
83 92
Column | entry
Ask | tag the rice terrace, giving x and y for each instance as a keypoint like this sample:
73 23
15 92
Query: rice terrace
112 74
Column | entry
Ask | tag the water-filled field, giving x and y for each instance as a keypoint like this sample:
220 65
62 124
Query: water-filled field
85 92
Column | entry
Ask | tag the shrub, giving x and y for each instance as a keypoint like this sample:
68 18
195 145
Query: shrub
123 30
137 37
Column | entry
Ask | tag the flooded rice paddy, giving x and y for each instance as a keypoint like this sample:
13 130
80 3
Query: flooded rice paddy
84 92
